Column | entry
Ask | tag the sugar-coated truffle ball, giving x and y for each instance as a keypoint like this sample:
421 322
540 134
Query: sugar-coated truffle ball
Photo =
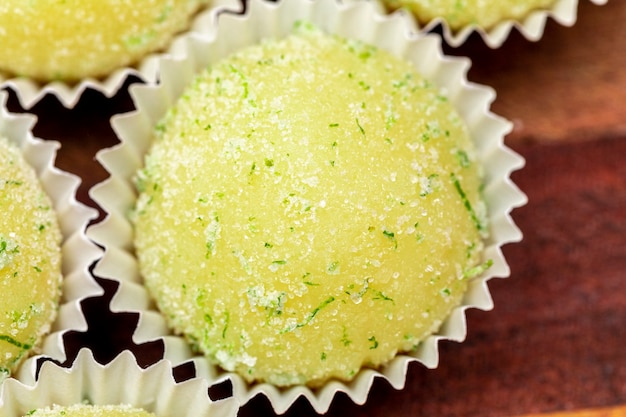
461 13
309 206
74 39
87 410
30 259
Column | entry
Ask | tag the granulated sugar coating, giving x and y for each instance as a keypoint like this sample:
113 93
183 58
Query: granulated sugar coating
310 206
86 410
482 13
73 39
30 259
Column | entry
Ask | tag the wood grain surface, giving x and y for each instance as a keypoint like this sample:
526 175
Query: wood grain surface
569 86
617 411
555 344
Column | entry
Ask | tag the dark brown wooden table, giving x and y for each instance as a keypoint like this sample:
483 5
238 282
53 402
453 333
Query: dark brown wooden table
556 340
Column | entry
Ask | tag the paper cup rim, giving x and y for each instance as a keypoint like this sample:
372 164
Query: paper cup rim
359 21
29 91
119 382
77 251
531 27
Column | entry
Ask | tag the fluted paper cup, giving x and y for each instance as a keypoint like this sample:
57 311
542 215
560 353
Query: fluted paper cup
119 383
395 33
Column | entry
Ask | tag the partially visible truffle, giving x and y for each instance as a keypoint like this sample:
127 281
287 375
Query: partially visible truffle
461 13
86 410
310 206
30 259
74 39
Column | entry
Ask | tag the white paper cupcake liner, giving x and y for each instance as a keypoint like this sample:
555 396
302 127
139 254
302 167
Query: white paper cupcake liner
78 252
120 382
531 27
30 92
360 21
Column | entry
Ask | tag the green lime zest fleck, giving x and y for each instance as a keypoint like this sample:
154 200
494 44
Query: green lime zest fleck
226 323
364 85
139 40
212 233
307 281
478 269
310 317
470 250
463 158
344 338
391 236
457 184
317 309
360 127
374 342
430 186
333 267
165 12
14 342
8 247
379 295
358 296
244 80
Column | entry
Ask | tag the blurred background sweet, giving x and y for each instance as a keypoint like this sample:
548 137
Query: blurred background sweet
492 20
63 48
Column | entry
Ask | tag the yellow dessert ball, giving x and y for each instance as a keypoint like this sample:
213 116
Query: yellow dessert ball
461 13
30 259
74 39
309 206
87 410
